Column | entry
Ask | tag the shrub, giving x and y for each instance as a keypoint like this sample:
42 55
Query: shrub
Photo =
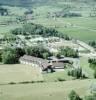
95 73
68 52
12 83
69 73
61 79
77 73
74 96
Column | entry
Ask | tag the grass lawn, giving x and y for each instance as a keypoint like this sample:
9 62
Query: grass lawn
19 73
44 91
52 77
7 28
85 66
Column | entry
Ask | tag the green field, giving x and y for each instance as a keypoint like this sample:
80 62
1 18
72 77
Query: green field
44 91
54 77
82 28
49 90
85 66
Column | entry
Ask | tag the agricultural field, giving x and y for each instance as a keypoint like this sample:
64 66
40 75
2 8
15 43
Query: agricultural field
82 28
42 91
19 73
24 82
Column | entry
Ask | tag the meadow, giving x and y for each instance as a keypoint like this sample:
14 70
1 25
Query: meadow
45 91
82 28
19 73
57 76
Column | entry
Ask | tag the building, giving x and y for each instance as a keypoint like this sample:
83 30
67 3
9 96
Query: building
34 61
42 63
52 64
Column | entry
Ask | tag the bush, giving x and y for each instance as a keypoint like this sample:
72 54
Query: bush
11 56
95 73
76 73
25 82
38 51
12 83
36 29
69 73
74 96
61 79
68 52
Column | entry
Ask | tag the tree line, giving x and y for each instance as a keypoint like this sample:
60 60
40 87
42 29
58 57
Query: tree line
68 52
11 55
92 64
36 29
74 96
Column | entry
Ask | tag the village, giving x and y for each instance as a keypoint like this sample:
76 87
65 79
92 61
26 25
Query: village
53 45
47 50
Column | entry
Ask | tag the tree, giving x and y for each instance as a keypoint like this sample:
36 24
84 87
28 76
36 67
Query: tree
0 56
68 52
77 73
19 52
95 73
9 57
74 96
36 29
92 63
3 11
90 97
37 51
92 43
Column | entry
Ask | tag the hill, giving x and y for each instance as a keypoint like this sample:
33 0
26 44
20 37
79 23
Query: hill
21 2
32 2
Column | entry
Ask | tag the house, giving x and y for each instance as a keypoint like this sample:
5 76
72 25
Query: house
34 61
44 64
51 64
75 62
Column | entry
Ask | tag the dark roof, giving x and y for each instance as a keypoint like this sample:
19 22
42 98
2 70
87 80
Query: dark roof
58 64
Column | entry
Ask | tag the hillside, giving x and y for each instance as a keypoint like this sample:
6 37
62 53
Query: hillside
32 2
44 91
21 2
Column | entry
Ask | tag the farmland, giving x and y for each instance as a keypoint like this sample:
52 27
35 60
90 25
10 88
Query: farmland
48 91
82 28
53 25
19 73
